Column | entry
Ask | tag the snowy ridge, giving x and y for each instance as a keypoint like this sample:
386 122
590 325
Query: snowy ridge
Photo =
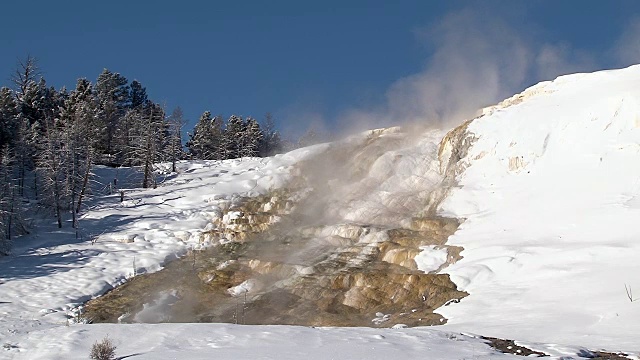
550 196
535 90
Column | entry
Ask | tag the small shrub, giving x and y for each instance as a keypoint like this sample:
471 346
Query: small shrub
103 350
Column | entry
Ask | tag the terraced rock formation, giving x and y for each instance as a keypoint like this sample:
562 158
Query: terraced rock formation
337 247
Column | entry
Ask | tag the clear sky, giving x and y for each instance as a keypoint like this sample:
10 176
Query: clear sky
328 63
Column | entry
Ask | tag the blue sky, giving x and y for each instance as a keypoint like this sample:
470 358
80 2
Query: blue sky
329 64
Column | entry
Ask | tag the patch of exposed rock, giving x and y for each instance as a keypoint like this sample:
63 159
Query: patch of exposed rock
265 273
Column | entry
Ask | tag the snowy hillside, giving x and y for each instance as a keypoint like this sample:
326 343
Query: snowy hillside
546 184
551 194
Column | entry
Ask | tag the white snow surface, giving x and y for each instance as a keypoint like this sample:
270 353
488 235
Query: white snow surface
550 198
223 341
431 258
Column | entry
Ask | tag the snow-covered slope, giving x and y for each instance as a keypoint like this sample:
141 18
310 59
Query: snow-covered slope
548 183
551 197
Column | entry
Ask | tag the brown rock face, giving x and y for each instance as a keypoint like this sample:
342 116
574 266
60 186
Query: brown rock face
339 275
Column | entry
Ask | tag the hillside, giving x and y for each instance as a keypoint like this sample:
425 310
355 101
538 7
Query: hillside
544 188
549 192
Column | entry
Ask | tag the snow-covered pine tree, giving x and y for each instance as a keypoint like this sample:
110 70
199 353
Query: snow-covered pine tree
128 122
41 107
199 144
250 138
233 135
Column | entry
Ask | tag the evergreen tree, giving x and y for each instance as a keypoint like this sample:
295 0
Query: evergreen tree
30 104
138 95
250 138
113 99
233 135
39 108
8 118
200 144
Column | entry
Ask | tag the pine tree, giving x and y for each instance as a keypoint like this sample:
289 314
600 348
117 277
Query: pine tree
250 138
138 95
39 108
30 103
113 99
199 144
8 118
233 135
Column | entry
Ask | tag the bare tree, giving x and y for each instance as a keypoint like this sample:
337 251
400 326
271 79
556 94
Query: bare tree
176 123
26 71
51 163
78 120
148 140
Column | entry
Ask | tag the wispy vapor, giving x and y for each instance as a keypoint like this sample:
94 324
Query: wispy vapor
627 48
553 60
475 62
478 59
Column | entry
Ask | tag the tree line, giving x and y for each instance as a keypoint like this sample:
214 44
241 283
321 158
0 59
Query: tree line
50 139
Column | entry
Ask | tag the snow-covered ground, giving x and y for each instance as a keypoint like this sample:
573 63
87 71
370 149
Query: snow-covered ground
552 202
222 341
551 198
51 272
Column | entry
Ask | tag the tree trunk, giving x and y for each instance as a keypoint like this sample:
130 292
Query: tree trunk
85 181
56 198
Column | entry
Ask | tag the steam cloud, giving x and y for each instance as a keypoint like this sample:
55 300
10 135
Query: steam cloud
478 59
